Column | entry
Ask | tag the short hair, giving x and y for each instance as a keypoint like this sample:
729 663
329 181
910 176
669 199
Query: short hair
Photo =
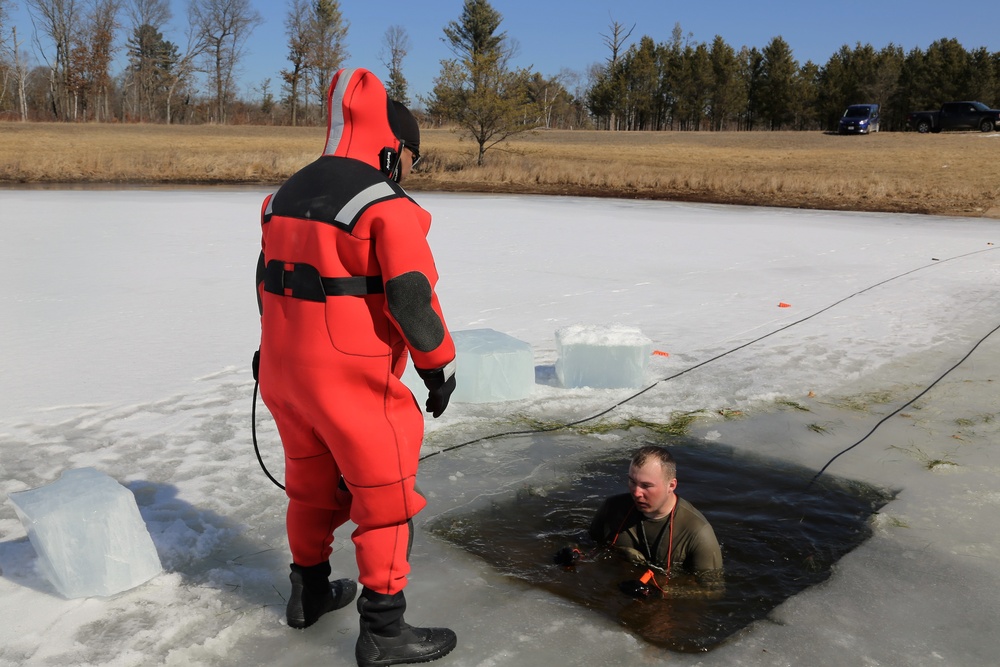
661 454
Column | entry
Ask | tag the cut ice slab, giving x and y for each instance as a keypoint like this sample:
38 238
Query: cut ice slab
602 357
490 366
88 534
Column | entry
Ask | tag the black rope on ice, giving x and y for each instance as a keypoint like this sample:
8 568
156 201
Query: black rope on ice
253 432
560 427
902 407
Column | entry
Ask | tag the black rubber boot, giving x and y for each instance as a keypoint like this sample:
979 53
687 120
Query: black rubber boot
386 639
313 594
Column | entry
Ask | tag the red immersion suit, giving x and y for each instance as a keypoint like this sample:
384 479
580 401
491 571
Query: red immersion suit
346 281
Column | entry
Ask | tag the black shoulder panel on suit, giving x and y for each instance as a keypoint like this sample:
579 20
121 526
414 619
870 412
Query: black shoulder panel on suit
335 191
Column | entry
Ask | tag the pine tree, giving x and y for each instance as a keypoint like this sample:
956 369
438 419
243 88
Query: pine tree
778 83
477 90
475 33
151 59
726 95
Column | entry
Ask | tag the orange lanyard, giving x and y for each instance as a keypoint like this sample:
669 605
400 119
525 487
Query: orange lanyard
649 554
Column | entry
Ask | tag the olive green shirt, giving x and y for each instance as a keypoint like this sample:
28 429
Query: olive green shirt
695 547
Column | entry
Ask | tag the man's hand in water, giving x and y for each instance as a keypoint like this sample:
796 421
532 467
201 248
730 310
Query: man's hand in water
567 557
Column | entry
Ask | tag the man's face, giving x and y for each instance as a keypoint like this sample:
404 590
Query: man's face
652 492
405 163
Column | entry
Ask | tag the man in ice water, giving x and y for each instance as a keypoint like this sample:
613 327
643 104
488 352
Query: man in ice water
656 528
346 283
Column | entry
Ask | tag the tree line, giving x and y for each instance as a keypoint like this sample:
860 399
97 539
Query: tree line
684 85
679 84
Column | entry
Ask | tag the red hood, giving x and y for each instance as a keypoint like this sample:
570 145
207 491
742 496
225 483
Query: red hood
359 117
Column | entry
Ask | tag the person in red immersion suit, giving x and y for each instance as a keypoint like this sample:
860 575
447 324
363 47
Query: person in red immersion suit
346 291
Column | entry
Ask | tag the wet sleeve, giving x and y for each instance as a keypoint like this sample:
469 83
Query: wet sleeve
706 554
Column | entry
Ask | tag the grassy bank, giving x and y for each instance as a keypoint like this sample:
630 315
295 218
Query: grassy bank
946 174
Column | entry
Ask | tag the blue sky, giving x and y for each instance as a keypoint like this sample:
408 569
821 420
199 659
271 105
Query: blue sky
553 36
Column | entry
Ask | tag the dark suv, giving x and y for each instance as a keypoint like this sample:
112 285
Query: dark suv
859 119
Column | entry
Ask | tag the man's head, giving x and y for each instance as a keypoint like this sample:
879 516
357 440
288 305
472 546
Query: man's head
652 478
405 127
366 125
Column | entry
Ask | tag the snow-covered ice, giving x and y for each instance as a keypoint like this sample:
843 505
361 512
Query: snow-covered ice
129 321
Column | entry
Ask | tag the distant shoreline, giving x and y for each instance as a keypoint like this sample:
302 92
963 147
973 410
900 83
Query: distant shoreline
946 174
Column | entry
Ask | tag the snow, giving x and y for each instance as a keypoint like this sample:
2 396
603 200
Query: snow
129 321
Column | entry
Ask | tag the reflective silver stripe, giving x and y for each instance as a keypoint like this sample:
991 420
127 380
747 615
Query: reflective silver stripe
337 111
269 209
449 369
358 203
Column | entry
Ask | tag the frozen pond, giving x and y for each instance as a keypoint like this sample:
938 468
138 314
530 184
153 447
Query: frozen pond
129 320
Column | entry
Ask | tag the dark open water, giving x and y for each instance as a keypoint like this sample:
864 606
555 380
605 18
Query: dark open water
777 538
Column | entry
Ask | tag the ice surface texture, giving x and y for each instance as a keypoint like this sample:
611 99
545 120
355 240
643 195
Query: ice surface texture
602 357
490 366
88 534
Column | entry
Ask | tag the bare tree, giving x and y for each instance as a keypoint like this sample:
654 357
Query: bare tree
615 41
327 49
59 20
295 78
148 12
4 18
396 44
97 45
20 71
224 26
551 100
185 64
15 70
5 72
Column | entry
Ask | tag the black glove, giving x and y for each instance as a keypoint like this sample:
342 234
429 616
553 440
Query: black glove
635 588
440 382
567 557
255 365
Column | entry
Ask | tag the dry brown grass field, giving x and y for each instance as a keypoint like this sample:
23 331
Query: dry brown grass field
944 174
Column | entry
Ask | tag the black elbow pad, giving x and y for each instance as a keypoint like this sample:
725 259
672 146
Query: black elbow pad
409 299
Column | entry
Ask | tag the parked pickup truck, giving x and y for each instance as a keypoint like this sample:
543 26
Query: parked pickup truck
956 116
